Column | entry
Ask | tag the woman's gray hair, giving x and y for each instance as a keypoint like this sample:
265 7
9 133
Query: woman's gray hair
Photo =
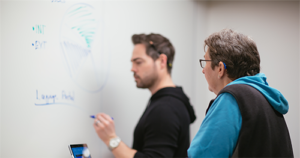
236 50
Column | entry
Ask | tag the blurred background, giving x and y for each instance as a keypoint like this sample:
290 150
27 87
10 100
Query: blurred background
63 60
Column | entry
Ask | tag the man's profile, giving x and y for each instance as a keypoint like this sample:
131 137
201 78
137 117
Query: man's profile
163 129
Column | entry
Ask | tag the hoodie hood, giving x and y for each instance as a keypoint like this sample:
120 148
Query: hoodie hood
178 93
259 82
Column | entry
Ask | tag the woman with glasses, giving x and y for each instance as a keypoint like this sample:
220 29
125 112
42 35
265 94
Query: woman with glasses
246 118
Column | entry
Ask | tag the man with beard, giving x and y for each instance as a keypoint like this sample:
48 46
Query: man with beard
163 129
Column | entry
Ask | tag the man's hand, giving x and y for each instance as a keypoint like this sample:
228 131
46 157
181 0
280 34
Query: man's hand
105 127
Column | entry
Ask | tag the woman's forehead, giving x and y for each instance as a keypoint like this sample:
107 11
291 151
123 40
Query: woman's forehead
206 55
205 48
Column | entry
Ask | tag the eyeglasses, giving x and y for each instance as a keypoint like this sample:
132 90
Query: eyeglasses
203 62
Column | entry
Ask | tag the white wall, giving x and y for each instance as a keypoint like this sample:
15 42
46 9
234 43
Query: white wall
172 19
275 28
200 97
273 25
45 131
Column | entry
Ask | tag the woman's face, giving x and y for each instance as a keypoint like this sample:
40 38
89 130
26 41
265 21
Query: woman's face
211 75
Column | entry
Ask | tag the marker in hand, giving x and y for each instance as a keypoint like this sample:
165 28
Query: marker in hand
93 117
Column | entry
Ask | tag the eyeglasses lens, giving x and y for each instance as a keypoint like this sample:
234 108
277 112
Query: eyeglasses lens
203 64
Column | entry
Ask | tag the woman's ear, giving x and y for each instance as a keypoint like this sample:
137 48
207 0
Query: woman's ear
221 70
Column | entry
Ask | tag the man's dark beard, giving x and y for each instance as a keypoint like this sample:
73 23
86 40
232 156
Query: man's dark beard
148 81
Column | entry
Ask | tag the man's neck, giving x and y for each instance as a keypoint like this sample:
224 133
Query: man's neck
162 82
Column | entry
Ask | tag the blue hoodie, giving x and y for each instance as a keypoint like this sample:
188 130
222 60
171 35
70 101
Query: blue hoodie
219 131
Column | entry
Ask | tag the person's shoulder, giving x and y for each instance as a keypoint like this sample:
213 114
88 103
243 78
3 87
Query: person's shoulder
224 101
171 107
162 104
169 102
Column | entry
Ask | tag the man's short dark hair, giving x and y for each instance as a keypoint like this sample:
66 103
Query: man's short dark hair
156 44
237 51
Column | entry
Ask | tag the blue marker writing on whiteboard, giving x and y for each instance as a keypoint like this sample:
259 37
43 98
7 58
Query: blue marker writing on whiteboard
93 116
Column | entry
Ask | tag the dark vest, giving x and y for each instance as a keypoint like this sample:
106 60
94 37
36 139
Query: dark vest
264 132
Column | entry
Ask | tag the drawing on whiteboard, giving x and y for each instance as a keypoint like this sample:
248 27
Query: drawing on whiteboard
63 97
84 47
45 97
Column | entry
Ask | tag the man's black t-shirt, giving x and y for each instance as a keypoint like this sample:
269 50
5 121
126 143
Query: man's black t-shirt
163 129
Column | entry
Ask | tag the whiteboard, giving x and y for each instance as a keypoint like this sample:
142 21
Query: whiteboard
62 61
